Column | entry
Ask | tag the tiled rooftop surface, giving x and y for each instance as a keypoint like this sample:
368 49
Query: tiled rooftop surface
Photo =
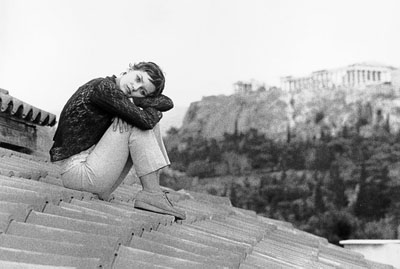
44 225
19 109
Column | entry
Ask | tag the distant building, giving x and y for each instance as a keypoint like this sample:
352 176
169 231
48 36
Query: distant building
241 87
246 87
360 74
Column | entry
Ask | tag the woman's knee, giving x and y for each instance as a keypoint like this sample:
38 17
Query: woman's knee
140 136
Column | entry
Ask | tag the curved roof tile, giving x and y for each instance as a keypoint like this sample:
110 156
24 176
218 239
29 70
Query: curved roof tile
44 224
19 109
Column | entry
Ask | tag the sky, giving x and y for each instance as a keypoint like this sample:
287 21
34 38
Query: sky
48 48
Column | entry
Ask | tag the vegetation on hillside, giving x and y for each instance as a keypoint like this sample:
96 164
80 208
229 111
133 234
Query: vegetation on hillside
340 187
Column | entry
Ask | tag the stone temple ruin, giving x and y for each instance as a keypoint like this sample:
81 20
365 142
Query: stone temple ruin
355 75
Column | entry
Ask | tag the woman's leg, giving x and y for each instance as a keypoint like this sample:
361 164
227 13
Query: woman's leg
150 138
149 156
109 162
104 169
113 156
105 164
97 170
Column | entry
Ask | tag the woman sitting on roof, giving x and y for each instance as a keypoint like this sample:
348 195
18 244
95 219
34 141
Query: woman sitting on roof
110 124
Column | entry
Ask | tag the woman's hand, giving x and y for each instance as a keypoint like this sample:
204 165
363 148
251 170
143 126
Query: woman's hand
120 124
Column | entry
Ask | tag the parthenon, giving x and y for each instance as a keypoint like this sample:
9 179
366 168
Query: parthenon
360 74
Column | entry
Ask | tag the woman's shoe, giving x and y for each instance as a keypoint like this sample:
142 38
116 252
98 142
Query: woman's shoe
157 202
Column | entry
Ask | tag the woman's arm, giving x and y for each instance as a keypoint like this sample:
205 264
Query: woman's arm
161 103
108 97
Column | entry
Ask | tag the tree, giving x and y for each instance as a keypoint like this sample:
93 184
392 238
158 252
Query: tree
337 186
200 168
319 203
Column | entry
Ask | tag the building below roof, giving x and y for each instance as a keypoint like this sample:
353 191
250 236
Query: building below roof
18 109
22 125
379 250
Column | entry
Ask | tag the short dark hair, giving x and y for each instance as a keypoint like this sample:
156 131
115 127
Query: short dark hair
155 73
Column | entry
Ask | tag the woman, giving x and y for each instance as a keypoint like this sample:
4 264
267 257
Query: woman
110 124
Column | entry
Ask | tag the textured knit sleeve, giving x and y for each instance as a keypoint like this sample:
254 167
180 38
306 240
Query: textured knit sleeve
108 97
161 103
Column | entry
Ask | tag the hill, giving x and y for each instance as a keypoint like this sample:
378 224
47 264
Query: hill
304 114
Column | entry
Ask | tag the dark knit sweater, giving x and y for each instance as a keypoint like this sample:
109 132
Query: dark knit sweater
89 112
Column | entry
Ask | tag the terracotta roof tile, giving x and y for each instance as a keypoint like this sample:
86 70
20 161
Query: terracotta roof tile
41 219
157 259
218 231
45 168
247 231
105 254
42 188
22 265
5 220
268 262
37 202
51 180
19 211
276 252
104 207
61 235
194 247
143 223
156 247
247 265
16 255
127 263
136 227
51 194
129 207
19 109
54 221
29 193
205 238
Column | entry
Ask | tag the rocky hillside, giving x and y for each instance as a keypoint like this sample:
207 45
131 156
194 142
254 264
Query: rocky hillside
306 114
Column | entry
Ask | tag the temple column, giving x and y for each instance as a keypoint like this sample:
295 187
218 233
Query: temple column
352 77
348 77
363 76
355 77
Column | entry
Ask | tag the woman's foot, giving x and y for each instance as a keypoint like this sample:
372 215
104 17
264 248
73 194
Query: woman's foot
157 202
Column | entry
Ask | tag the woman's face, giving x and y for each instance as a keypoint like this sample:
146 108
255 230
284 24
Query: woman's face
136 83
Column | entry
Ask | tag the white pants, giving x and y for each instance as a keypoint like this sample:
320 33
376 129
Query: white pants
101 168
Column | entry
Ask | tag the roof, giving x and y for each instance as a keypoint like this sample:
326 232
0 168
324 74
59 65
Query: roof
44 225
374 64
12 106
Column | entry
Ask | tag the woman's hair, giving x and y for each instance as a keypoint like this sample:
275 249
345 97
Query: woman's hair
155 73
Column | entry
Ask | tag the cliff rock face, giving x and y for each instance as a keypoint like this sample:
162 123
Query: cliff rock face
215 115
305 114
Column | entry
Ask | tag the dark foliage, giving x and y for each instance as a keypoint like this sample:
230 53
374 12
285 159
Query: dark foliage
335 187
